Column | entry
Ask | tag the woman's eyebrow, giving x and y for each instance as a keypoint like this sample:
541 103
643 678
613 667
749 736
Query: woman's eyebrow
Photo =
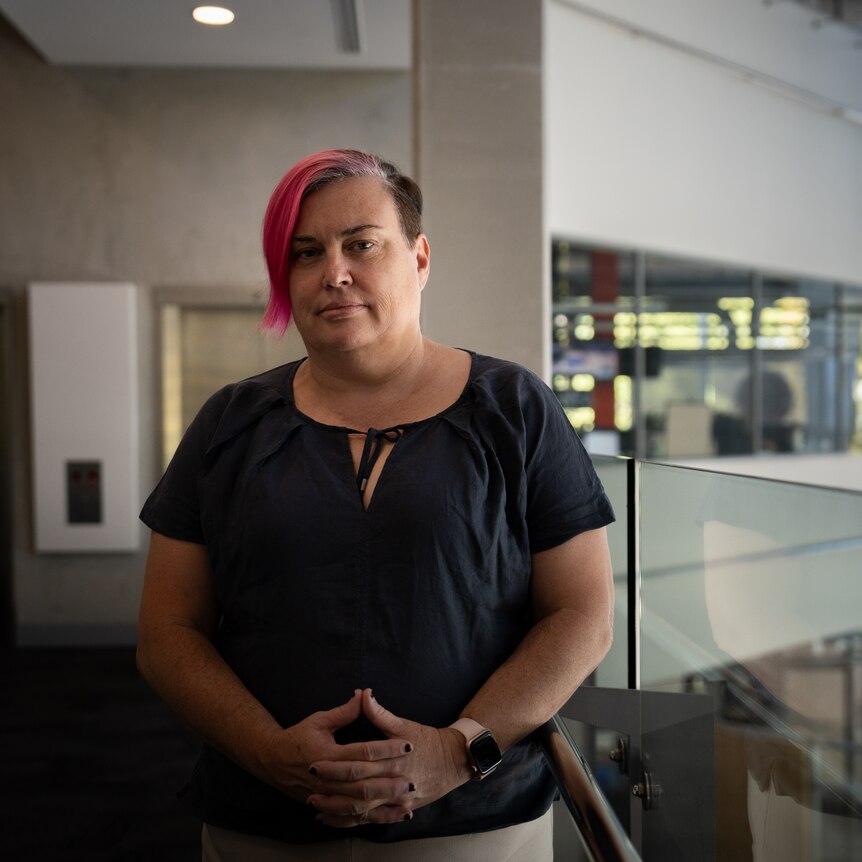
301 238
359 228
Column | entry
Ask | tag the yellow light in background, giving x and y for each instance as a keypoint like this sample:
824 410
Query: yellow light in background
680 342
729 303
792 316
216 16
562 383
623 402
716 342
784 324
561 320
625 329
584 333
649 335
798 302
581 418
583 382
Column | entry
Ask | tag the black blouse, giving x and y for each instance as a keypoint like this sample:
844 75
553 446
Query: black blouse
420 597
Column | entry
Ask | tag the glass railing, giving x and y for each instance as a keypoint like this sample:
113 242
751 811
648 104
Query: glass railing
743 738
752 592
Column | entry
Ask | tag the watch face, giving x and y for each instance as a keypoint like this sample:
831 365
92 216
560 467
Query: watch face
486 752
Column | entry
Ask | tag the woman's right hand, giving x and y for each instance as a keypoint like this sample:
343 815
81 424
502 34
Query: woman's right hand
287 755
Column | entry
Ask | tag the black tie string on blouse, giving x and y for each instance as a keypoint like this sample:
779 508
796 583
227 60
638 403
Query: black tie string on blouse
371 451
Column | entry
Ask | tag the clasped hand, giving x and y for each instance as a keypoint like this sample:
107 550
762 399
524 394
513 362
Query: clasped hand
381 781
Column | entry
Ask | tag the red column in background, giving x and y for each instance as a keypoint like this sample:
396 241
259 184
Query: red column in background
605 289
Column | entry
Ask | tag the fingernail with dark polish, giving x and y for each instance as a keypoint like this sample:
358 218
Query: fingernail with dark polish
312 770
408 748
407 817
411 787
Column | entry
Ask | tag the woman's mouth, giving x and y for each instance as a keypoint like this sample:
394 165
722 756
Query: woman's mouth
341 310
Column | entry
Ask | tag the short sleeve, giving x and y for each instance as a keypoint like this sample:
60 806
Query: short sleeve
564 495
173 508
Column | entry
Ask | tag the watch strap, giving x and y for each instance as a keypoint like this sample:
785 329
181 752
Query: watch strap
468 728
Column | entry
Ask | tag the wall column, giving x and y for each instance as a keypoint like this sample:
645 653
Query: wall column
478 138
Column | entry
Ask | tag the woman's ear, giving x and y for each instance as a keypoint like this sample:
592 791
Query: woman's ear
423 259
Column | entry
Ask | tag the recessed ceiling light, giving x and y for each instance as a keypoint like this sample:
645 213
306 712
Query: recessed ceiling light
215 15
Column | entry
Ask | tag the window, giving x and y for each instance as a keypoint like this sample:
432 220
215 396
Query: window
664 357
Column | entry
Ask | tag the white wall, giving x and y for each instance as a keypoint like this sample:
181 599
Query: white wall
648 145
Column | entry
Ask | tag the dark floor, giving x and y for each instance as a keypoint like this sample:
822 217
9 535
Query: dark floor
90 761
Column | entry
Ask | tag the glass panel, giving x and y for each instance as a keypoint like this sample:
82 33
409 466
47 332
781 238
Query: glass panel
593 296
751 594
696 328
204 348
798 329
613 473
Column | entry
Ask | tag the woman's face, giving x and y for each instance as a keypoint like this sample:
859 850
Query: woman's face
355 281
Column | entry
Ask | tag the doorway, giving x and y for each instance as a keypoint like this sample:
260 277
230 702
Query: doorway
207 340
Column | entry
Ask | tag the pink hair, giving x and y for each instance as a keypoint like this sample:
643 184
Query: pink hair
304 178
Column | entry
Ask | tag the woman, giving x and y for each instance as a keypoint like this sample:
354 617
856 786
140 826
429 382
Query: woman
388 514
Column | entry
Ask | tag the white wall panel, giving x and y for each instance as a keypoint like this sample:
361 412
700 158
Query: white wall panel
649 146
84 399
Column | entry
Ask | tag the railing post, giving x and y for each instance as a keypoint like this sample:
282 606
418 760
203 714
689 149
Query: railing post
633 620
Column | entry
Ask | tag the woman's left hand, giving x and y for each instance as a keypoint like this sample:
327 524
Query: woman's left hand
437 765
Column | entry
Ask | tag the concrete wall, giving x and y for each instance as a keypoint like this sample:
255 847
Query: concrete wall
158 178
479 159
656 138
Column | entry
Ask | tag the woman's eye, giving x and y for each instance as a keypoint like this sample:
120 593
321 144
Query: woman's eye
305 253
363 245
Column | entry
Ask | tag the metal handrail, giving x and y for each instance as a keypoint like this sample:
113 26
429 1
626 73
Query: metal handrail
602 834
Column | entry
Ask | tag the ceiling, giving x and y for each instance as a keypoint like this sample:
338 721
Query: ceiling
265 34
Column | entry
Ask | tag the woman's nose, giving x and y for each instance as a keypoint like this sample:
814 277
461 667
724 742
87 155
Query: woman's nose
336 272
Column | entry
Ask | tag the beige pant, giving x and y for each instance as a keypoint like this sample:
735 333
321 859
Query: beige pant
526 842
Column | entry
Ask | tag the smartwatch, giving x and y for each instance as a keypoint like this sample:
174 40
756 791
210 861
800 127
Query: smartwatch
482 750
